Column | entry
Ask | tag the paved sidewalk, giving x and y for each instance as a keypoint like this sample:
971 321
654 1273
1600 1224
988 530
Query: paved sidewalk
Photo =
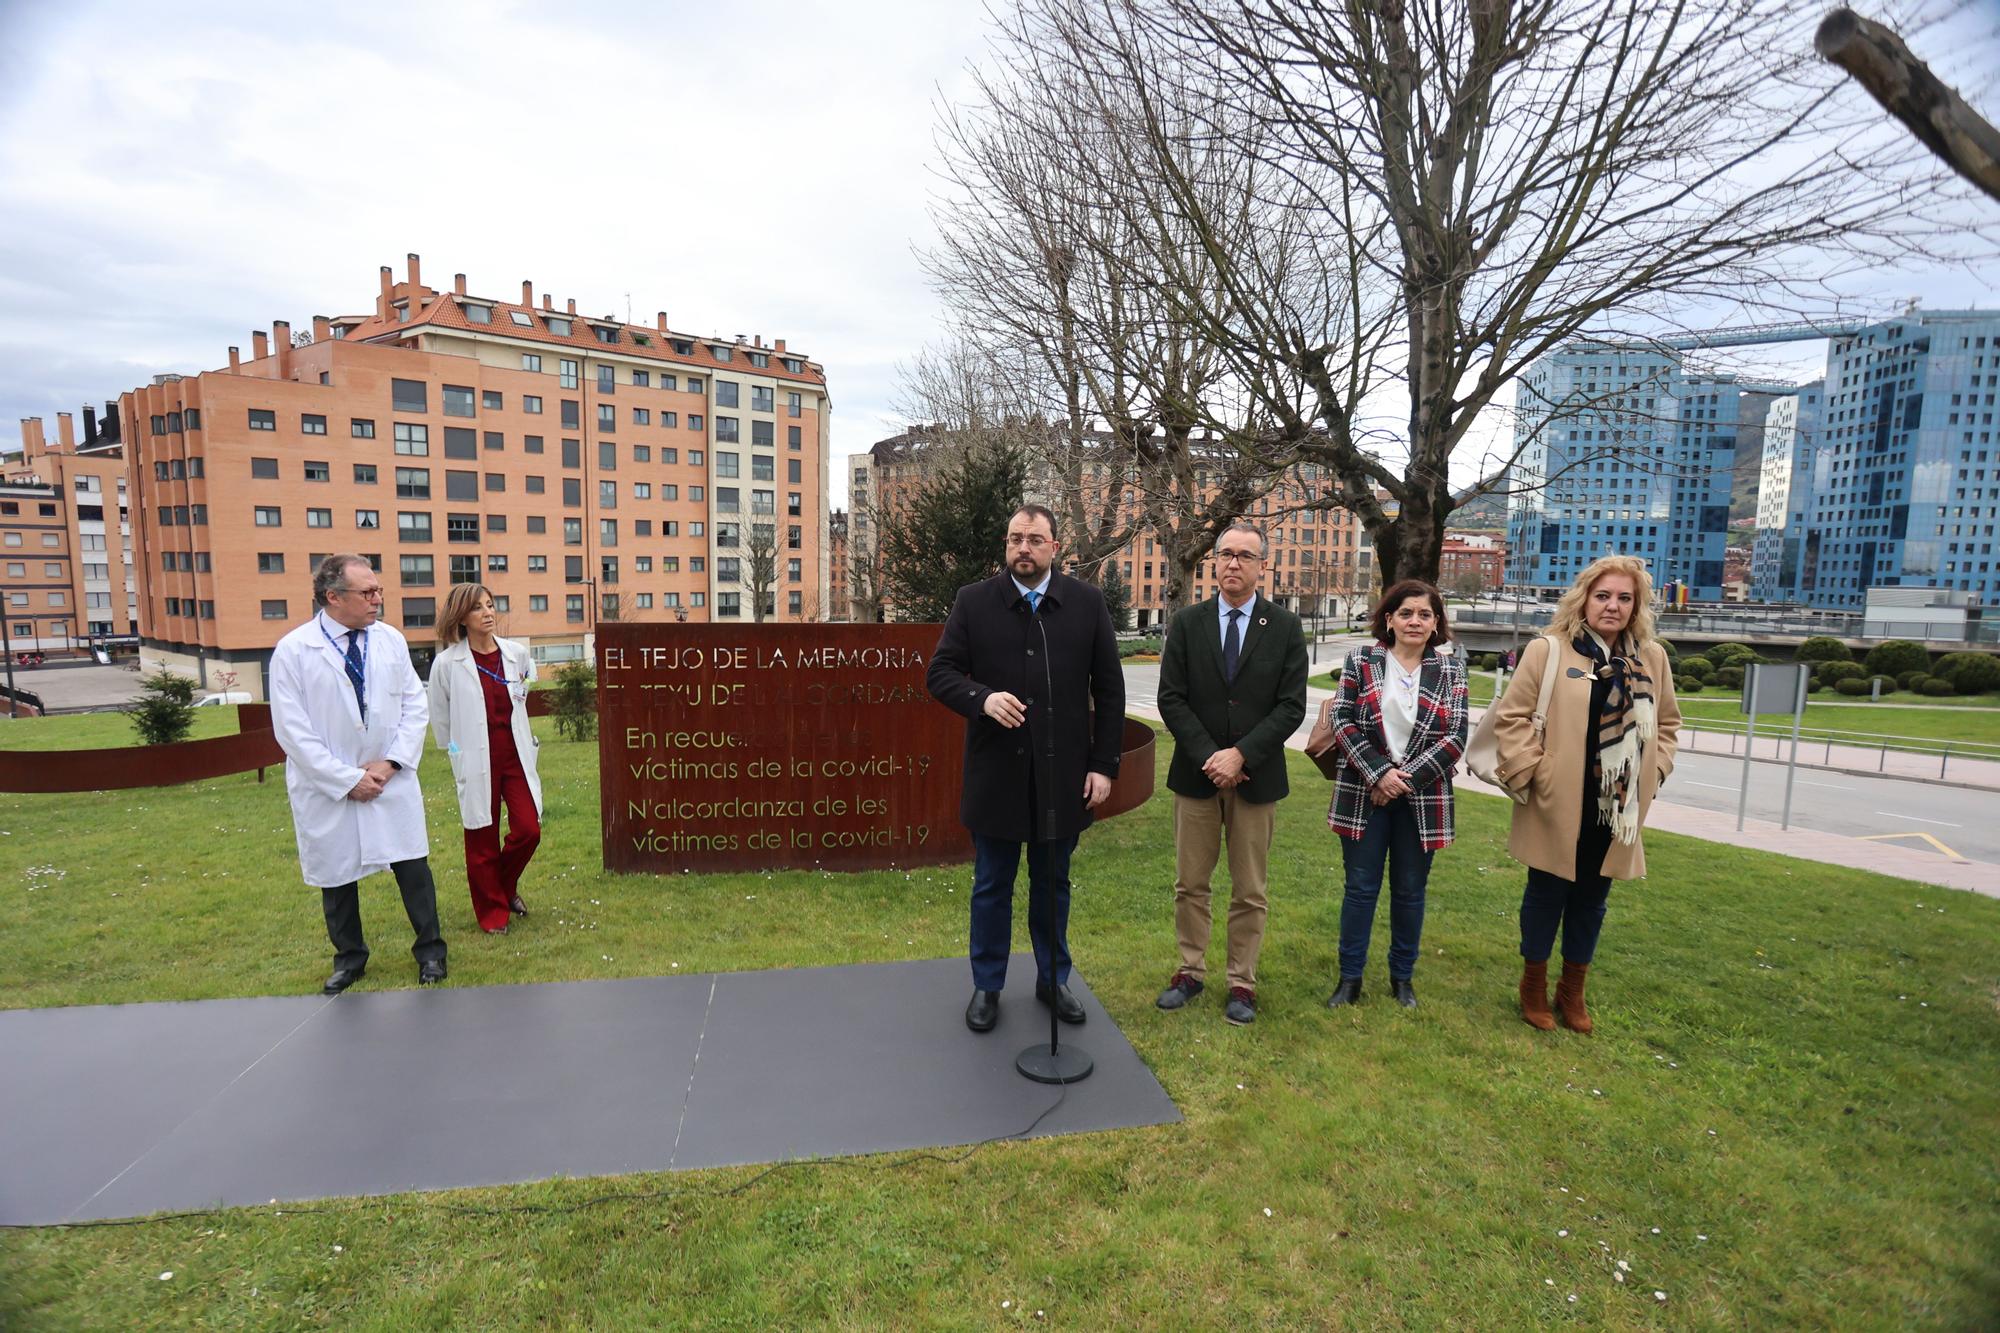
1760 835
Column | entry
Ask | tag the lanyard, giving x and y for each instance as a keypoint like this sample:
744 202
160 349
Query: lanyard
347 664
515 688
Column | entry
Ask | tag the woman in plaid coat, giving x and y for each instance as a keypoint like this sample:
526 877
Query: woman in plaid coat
1399 726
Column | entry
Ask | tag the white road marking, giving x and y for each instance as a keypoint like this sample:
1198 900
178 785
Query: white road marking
1919 818
1830 786
1717 786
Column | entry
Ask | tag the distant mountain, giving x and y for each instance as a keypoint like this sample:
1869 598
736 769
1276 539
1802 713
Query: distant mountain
1489 511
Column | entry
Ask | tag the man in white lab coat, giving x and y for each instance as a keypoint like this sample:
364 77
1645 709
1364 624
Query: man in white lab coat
351 715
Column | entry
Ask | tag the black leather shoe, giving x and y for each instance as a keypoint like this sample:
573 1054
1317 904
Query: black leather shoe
984 1011
1405 994
342 978
1179 991
1347 992
1242 1007
1068 1008
517 907
429 974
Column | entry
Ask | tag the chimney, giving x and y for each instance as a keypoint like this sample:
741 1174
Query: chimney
416 278
281 339
780 348
548 302
572 305
235 361
89 425
111 430
528 294
760 340
260 344
663 321
322 328
382 310
66 432
458 284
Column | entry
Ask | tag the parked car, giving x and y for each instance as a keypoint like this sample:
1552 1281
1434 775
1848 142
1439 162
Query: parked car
218 700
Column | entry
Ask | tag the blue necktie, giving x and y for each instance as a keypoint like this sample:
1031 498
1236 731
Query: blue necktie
1232 645
1034 600
354 672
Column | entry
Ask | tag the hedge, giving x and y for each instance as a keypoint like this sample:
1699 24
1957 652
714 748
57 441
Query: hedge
1732 654
1851 685
1688 685
1970 673
1698 667
1937 687
1886 659
1833 673
1824 648
1729 677
1814 687
1903 679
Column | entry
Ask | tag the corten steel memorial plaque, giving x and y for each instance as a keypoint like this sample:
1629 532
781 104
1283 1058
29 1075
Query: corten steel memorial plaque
750 747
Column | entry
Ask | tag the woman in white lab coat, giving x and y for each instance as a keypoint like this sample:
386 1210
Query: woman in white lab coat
479 714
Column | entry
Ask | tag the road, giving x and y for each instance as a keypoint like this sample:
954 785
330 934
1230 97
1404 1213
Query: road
1904 812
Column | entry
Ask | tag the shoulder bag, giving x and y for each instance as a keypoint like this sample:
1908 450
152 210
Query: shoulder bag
1482 752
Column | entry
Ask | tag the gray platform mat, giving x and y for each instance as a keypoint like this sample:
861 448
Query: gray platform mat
120 1110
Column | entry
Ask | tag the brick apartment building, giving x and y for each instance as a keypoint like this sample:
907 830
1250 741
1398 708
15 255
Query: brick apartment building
1470 556
583 468
74 588
1319 557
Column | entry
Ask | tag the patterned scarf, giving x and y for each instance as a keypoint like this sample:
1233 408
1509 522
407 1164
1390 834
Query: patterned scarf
1623 731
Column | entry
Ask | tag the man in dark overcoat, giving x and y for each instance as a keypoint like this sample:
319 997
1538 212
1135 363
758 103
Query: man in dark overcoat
1232 690
1028 659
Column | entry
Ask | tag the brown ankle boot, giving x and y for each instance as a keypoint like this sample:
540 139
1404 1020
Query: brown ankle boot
1569 997
1535 996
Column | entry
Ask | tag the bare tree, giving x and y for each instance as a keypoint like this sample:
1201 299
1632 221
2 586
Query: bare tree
1443 193
760 569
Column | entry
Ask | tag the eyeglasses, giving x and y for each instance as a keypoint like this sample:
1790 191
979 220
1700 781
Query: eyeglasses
1237 557
1034 539
370 594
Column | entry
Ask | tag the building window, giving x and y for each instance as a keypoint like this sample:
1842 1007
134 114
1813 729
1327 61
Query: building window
536 485
641 417
463 486
725 430
496 564
490 400
557 325
264 468
460 442
761 433
270 516
531 403
763 398
791 437
270 562
531 444
495 442
572 414
413 527
728 605
728 569
496 482
537 523
316 471
412 439
792 471
795 603
573 609
364 474
566 371
794 571
604 335
361 428
538 564
762 467
319 518
312 424
461 527
413 483
607 495
572 532
418 571
263 419
607 379
367 518
694 421
409 396
529 360
465 569
726 393
538 601
793 403
670 419
274 609
727 464
419 612
607 418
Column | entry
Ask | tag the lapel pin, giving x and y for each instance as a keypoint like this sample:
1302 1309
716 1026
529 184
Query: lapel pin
1262 621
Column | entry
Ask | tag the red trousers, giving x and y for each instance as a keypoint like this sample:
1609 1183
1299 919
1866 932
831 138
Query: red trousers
493 870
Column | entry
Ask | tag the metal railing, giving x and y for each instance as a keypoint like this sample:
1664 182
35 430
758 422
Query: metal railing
1843 625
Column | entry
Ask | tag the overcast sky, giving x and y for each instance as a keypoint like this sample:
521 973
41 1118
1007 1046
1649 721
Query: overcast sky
173 176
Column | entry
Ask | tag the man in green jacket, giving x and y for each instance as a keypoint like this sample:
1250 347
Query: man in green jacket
1232 691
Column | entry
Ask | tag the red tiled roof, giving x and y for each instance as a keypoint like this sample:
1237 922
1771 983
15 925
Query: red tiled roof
443 311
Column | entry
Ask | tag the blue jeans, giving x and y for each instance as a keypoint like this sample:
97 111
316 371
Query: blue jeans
1392 837
994 861
1576 905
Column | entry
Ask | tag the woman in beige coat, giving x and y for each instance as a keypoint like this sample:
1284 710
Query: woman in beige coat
1589 771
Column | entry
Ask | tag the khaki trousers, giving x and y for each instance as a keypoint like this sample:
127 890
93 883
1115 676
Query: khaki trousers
1200 827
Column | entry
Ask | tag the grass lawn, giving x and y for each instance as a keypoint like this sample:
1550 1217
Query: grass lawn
1790 1116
